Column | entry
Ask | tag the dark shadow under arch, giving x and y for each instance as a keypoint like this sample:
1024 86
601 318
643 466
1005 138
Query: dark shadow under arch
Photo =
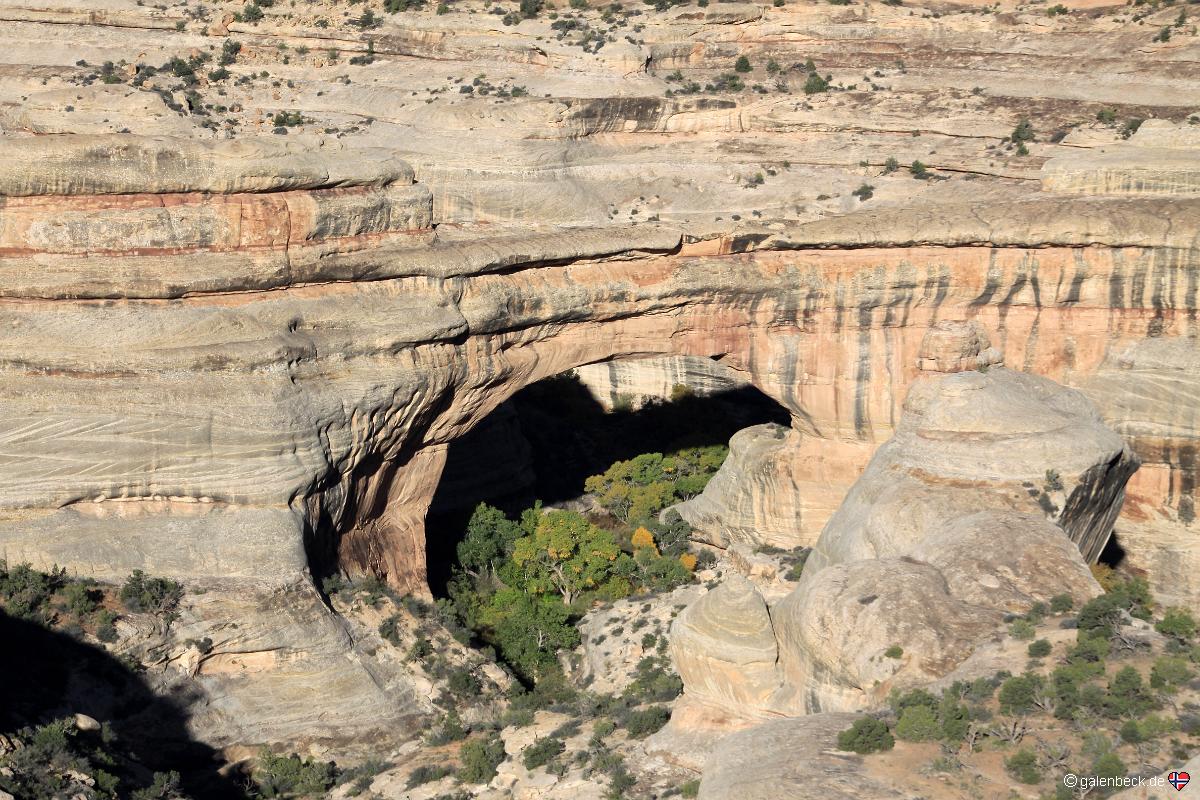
569 436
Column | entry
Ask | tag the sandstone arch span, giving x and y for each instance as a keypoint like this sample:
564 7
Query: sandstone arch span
277 358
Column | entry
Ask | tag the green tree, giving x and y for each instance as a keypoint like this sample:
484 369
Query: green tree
1178 623
815 84
489 539
866 735
659 572
918 724
1102 615
154 595
1169 673
1128 694
1039 649
742 64
540 752
1109 766
291 776
1061 603
1018 694
565 554
480 758
954 716
1023 766
1023 132
1022 629
644 721
530 631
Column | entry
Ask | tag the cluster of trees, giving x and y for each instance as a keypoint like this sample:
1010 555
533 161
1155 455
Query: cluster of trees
52 598
1107 709
521 584
58 759
635 491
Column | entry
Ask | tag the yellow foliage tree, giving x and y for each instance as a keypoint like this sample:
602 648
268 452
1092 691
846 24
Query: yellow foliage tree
689 562
642 540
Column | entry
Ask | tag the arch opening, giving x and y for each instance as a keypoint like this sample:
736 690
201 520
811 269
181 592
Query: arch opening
543 443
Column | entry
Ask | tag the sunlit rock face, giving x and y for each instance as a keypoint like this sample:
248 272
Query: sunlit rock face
263 412
632 383
239 354
1001 438
956 522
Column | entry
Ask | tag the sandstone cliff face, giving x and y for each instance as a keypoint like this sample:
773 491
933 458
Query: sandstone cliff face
231 354
941 537
976 440
634 382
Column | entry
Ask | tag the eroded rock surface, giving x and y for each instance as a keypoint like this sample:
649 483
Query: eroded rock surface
934 605
724 647
975 440
239 349
942 537
791 758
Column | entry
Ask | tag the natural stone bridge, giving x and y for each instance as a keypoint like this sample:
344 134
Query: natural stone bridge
228 361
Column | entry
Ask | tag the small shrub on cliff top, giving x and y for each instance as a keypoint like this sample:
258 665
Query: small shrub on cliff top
1039 649
1177 623
815 84
918 724
154 595
480 757
540 752
1023 133
291 776
866 735
252 12
895 651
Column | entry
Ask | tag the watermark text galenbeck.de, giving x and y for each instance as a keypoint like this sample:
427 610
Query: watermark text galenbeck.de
1073 781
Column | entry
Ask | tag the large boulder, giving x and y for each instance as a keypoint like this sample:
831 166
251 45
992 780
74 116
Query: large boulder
995 491
778 487
792 759
724 647
935 606
972 440
1007 561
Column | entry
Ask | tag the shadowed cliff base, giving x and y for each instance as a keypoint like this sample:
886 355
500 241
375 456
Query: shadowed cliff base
47 675
556 435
